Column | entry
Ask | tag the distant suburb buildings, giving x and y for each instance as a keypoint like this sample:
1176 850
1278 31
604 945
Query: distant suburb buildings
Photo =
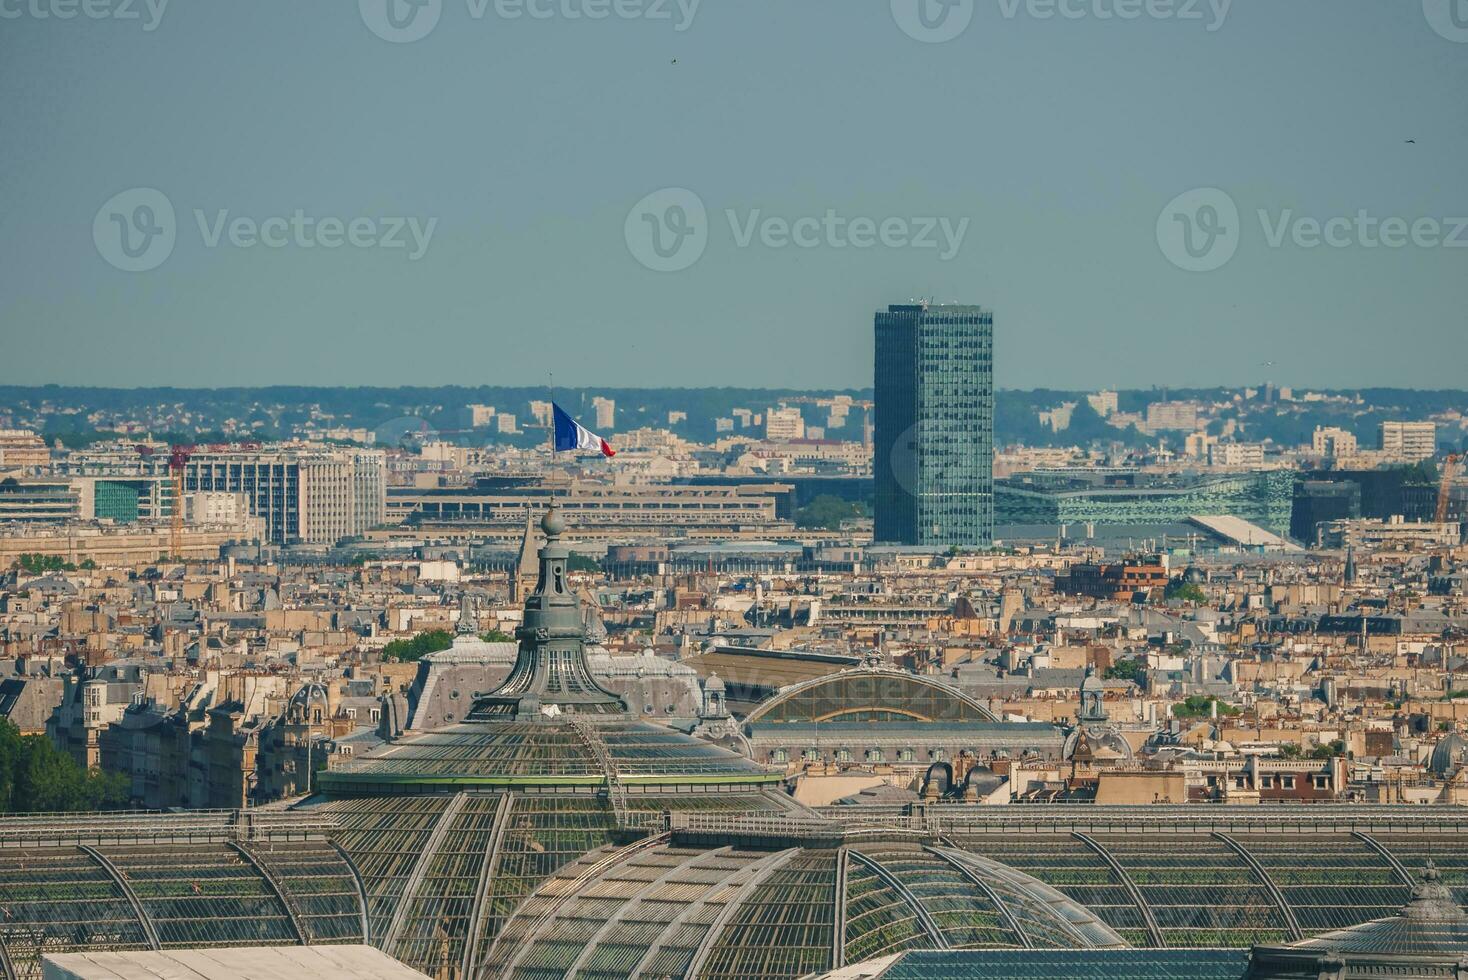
934 437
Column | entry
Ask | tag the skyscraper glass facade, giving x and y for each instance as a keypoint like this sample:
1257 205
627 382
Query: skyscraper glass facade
934 432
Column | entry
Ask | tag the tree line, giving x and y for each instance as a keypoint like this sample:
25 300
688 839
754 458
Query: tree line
37 777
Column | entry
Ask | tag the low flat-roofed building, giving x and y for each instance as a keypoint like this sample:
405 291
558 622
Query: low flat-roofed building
1395 533
230 963
597 512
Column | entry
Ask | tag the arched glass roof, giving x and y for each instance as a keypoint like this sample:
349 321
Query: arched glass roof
164 893
739 884
751 912
443 873
870 694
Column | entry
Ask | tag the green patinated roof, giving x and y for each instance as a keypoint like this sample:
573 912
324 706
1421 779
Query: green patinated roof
1077 964
528 753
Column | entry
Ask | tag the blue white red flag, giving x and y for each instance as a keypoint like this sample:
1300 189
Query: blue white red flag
572 435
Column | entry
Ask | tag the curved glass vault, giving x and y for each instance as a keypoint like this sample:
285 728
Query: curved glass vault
539 884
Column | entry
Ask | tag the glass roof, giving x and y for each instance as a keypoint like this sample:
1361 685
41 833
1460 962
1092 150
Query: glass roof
438 878
530 753
661 909
869 695
1200 891
1074 869
1338 881
1080 964
170 894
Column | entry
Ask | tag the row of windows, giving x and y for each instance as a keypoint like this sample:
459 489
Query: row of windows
870 755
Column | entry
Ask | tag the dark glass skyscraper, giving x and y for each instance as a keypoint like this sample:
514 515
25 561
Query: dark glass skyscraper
934 437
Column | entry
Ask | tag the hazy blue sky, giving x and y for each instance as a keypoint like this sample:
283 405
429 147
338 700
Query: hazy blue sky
1060 140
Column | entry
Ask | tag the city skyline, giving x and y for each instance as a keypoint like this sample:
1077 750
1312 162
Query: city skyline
739 490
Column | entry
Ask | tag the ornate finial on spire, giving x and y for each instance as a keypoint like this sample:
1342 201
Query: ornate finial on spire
468 617
1093 691
550 677
1432 900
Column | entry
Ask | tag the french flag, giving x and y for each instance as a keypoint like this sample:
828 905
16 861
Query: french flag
572 435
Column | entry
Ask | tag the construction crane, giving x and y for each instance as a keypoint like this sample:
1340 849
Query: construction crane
1451 465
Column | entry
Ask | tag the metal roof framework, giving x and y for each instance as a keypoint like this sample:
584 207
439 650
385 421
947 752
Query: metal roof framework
126 891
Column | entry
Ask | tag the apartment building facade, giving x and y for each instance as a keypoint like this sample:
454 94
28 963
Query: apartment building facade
304 496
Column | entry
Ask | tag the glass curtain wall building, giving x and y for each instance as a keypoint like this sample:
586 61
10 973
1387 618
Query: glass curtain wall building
934 432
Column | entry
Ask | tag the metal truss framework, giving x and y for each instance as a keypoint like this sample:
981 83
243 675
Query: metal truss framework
1288 914
121 888
1154 931
145 921
1010 921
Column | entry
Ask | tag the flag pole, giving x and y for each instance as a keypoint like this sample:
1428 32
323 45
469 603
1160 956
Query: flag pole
551 378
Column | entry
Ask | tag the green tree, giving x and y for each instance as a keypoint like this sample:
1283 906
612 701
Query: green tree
1127 670
496 636
827 512
35 776
41 564
411 651
1201 706
581 563
1186 591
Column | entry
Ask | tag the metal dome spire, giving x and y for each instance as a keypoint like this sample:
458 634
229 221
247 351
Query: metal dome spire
550 678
